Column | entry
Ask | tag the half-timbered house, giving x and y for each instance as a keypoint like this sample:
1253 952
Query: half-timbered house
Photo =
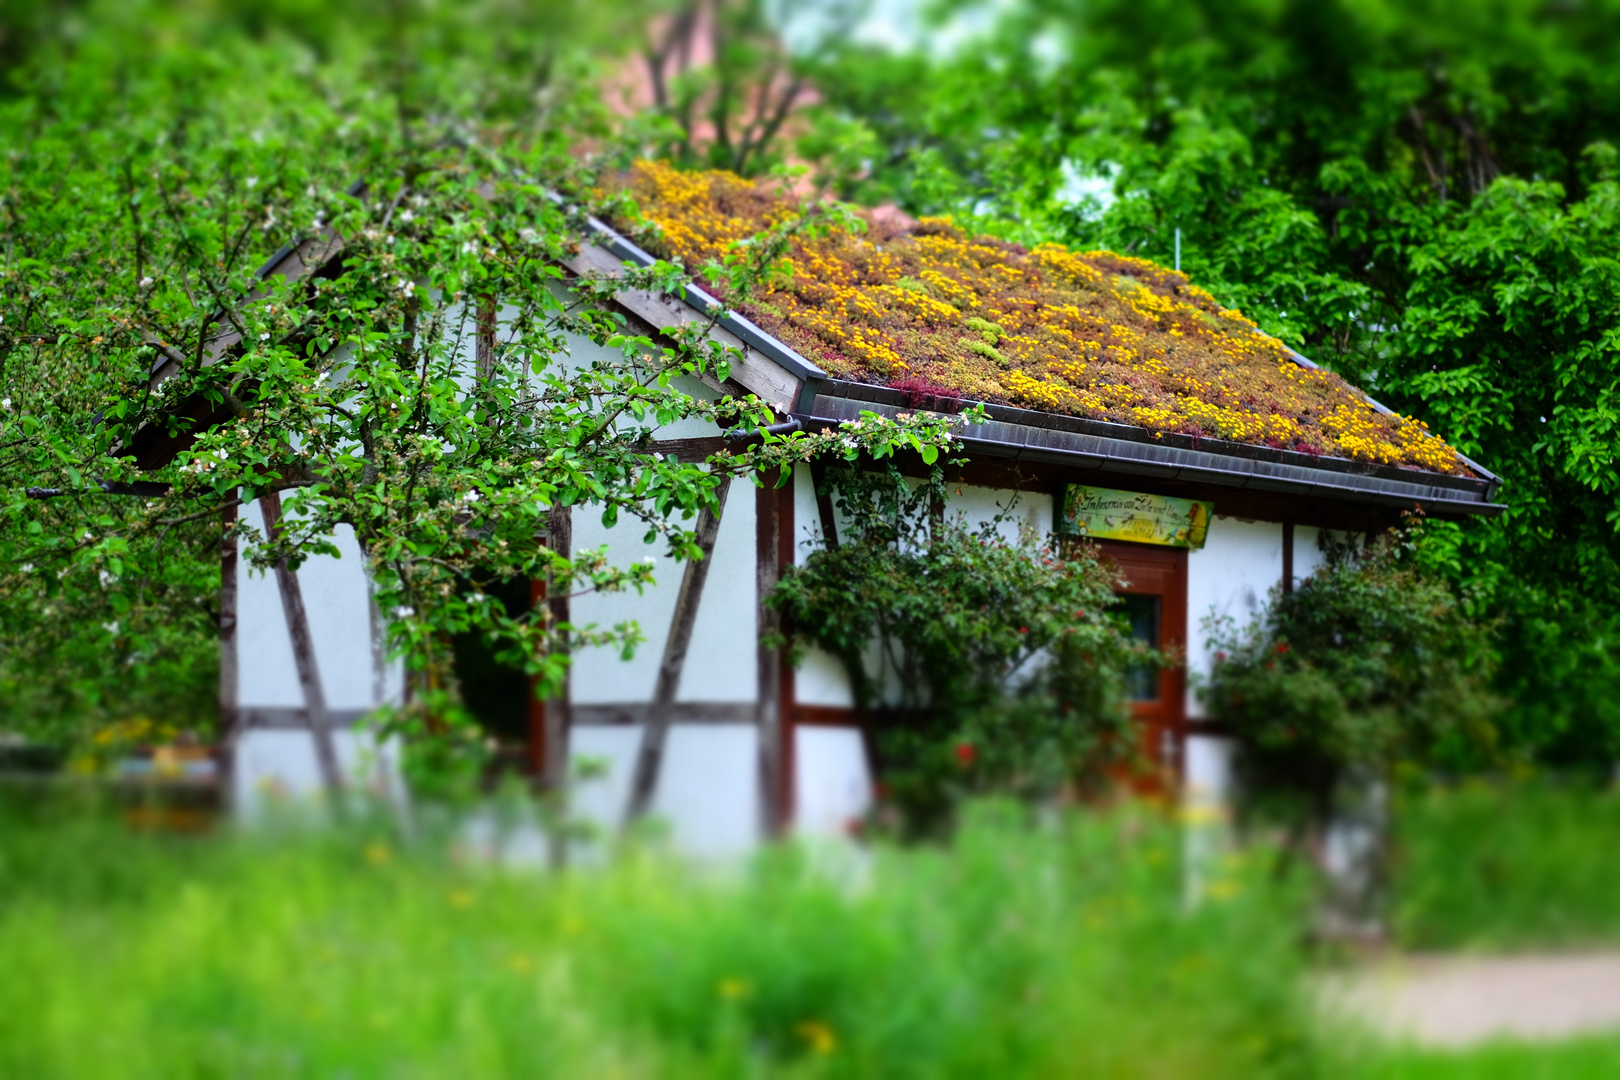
1205 510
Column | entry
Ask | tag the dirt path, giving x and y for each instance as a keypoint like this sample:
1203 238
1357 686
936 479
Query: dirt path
1458 1001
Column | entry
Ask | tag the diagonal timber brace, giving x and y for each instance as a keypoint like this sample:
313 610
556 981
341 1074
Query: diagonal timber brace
650 758
303 647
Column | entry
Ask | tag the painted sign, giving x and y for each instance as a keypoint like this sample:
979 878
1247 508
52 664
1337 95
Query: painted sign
1105 514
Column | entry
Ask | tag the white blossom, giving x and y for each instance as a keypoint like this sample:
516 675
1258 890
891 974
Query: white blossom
146 282
404 612
252 182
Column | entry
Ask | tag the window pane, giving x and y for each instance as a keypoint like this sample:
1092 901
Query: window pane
1142 613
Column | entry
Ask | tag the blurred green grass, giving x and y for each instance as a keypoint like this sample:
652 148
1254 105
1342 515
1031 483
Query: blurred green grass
1591 1058
1506 865
1015 951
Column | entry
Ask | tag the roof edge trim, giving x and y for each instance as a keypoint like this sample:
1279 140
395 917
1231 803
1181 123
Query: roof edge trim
617 244
1111 454
1379 406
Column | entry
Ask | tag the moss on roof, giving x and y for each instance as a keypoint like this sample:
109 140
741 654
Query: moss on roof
927 308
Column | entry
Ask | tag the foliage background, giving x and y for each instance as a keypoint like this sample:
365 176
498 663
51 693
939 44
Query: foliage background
1420 196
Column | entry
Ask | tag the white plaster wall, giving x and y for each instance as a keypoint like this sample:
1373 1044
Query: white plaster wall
281 764
832 782
981 504
1209 770
1230 576
1308 554
337 600
267 675
708 793
820 680
720 662
806 518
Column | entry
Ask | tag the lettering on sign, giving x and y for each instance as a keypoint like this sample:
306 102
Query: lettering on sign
1105 514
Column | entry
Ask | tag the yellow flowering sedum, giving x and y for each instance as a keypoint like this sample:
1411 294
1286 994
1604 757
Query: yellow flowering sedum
1090 334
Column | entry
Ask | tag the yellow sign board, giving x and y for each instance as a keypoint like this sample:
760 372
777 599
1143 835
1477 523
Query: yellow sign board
1105 514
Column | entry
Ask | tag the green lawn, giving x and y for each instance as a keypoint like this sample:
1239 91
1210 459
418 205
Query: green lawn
1015 952
1576 1059
1065 950
1510 865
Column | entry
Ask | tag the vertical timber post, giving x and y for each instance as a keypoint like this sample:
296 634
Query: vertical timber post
303 648
484 350
229 696
824 502
768 500
787 557
1288 557
558 709
650 758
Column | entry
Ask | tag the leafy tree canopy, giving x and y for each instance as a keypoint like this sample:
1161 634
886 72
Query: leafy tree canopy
1420 196
430 385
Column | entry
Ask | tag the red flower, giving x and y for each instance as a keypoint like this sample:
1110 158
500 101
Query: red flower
1023 629
1282 648
1220 657
964 754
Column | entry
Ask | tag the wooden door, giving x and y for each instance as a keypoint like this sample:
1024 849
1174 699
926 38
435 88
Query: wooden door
1155 602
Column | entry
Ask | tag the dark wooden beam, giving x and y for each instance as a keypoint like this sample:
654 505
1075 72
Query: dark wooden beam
637 713
650 758
824 502
303 647
229 718
484 351
559 709
768 500
689 451
787 557
1288 557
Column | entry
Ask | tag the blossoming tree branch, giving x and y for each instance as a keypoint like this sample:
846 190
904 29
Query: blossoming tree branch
415 384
